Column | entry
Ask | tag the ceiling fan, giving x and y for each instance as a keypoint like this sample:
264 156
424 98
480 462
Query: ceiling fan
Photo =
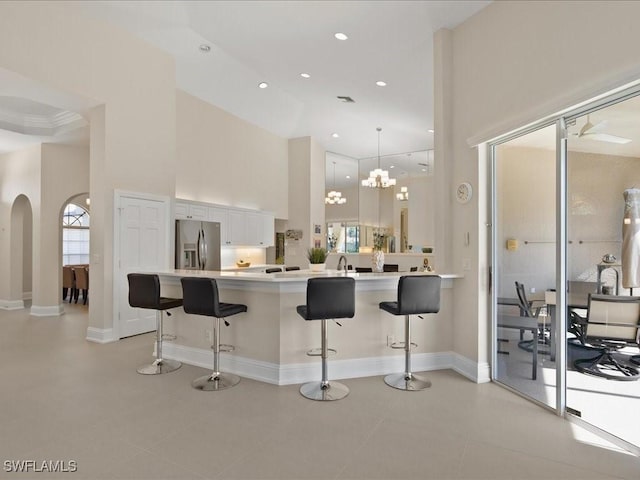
594 132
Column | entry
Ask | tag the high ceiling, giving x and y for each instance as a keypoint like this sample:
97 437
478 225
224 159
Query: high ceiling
275 41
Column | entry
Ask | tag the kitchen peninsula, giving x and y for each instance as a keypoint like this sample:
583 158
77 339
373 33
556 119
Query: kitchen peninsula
271 340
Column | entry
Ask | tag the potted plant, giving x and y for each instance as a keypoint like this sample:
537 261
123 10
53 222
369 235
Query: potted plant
317 258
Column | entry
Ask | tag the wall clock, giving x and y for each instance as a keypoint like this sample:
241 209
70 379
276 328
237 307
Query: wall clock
464 192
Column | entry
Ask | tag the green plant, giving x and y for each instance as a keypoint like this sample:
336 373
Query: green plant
378 240
317 255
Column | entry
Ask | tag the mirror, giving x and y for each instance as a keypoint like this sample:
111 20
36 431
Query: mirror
402 212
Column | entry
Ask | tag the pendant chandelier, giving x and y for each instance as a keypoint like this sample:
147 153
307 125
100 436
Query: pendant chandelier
378 178
403 196
334 197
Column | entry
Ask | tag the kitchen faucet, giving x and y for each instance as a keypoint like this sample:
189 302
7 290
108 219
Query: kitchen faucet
342 257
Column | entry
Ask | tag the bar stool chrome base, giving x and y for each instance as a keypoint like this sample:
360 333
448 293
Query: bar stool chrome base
215 382
410 382
160 366
324 391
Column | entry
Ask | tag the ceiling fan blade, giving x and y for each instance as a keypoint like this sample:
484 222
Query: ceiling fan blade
605 137
591 128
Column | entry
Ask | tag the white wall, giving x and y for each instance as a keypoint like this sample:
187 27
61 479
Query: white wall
510 64
48 175
306 198
134 147
19 175
225 160
65 174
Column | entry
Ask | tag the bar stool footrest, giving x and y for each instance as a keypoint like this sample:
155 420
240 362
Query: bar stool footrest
317 352
400 345
225 347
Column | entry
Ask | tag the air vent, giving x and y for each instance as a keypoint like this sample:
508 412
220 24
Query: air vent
346 99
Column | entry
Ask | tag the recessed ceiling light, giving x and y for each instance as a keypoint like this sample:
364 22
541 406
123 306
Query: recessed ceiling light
424 169
430 130
380 83
305 75
204 48
335 135
392 166
263 85
348 176
340 36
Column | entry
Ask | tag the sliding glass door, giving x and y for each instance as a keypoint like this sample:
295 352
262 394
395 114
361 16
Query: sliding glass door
566 264
603 382
524 226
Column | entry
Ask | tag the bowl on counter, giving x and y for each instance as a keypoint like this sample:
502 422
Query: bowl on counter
242 264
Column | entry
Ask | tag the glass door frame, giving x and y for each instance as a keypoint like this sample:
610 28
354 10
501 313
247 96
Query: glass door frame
561 120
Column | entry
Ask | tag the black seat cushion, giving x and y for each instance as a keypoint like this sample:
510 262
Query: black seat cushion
329 297
416 294
144 292
200 297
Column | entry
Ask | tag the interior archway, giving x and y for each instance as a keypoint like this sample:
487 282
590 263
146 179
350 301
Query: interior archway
21 260
74 239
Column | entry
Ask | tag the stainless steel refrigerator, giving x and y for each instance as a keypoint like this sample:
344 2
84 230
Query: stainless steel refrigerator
197 245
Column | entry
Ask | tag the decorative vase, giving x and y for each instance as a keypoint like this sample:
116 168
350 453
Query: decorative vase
377 261
317 267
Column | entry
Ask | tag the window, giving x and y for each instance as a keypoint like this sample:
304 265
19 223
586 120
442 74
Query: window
75 235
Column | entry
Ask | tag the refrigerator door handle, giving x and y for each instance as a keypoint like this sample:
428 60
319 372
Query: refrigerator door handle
202 249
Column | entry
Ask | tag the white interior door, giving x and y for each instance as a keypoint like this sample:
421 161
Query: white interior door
143 246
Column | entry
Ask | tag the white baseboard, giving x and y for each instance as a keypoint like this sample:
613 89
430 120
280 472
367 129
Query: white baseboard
51 311
295 373
477 372
11 304
100 335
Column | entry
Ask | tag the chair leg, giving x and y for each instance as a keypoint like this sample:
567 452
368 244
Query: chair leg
407 380
216 380
324 390
160 365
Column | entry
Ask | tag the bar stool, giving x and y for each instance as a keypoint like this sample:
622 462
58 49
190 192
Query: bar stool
273 270
417 294
200 297
327 298
144 292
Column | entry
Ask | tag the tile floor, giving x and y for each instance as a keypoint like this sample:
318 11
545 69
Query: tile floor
63 398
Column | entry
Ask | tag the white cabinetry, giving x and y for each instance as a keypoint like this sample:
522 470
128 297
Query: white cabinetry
238 227
260 229
190 211
233 225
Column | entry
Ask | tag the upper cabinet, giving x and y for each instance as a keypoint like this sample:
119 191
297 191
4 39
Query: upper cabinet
238 227
260 229
191 211
233 225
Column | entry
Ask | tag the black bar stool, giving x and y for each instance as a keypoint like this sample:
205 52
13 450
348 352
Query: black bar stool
200 297
327 298
417 294
273 270
144 292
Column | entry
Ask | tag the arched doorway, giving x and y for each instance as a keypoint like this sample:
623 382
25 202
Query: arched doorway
21 260
75 251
